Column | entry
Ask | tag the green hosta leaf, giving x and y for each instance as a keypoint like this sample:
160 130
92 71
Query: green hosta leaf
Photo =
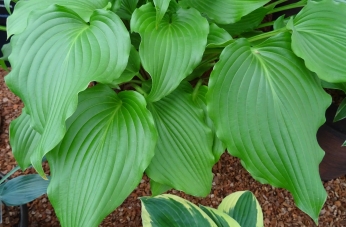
338 86
247 23
217 36
183 156
279 23
7 5
55 58
199 99
341 112
170 52
109 142
24 139
23 189
244 208
172 211
321 42
220 218
18 21
226 11
132 68
127 7
275 132
161 7
157 188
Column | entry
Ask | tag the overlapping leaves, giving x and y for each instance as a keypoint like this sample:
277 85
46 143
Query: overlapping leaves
55 58
109 142
267 108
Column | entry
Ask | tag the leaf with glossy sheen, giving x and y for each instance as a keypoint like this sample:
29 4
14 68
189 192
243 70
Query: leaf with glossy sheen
172 211
161 7
226 11
23 139
170 52
18 21
109 142
244 208
220 218
55 58
246 23
183 156
321 42
217 36
23 189
267 107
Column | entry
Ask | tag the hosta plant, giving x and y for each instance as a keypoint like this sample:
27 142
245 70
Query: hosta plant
177 82
236 210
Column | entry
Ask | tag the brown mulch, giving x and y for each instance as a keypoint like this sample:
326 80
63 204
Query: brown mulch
229 176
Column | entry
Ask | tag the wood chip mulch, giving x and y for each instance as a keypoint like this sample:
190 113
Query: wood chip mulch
229 176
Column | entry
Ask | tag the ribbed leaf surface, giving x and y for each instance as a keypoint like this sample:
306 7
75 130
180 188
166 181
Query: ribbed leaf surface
226 11
183 156
217 36
170 52
172 211
18 21
55 58
319 38
220 218
161 8
267 108
23 139
109 142
126 8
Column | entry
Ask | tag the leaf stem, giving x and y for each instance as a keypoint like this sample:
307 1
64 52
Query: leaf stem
290 6
9 174
195 90
140 77
139 89
266 24
267 34
274 4
3 28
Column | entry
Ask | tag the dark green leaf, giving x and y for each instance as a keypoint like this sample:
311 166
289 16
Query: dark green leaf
341 112
157 188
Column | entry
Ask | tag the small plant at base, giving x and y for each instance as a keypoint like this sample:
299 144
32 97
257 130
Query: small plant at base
152 109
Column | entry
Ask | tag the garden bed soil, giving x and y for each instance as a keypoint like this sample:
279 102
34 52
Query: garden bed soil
229 176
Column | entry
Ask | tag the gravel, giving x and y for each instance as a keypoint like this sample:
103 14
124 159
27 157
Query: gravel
229 176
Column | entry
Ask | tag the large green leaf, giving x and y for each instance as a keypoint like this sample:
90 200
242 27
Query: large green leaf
23 189
244 208
172 211
247 23
24 139
318 36
170 52
267 107
183 156
18 21
161 8
55 58
109 142
226 11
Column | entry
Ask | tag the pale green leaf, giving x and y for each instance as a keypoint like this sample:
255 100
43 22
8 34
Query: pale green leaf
183 156
55 58
18 21
172 211
157 188
244 208
318 36
127 7
226 11
220 218
7 5
24 139
217 36
131 69
170 52
267 107
109 142
161 7
23 189
246 23
341 112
